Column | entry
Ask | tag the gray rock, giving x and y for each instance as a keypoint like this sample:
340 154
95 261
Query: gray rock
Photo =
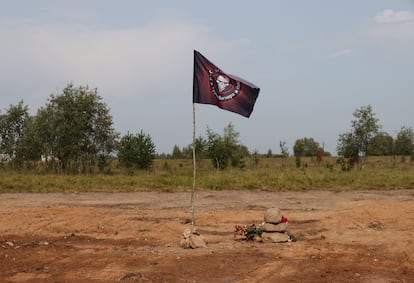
197 241
273 215
192 240
185 243
186 233
269 227
275 237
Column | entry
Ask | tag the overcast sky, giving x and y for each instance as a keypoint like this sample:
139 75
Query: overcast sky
315 62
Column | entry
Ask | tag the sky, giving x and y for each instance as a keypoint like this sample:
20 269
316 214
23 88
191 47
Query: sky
316 62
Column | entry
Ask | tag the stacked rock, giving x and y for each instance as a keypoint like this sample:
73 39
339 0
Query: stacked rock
275 226
192 240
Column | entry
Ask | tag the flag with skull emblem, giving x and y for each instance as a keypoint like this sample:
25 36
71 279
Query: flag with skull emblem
212 86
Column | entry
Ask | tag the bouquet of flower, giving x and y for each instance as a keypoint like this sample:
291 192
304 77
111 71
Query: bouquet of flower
247 232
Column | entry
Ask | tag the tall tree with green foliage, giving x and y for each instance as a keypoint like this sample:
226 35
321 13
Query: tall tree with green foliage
29 147
217 150
381 144
12 125
136 151
304 147
224 149
365 127
76 126
405 141
348 147
356 143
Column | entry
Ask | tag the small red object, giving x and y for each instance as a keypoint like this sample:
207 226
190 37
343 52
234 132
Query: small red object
284 219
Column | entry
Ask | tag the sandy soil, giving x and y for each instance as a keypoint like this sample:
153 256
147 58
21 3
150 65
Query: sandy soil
359 236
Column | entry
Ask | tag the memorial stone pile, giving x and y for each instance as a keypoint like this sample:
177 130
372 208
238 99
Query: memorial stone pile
192 239
275 227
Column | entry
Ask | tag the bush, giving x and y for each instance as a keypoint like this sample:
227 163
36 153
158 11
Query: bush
136 151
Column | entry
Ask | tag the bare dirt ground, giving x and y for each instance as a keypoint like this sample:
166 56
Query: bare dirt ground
358 236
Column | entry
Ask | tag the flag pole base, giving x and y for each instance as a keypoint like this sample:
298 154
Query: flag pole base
191 239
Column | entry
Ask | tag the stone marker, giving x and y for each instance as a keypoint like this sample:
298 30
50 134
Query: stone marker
192 240
275 237
269 227
274 230
273 215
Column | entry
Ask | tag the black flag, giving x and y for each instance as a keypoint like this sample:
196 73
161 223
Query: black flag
212 86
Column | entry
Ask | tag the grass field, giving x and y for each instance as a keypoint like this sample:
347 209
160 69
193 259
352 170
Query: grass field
268 174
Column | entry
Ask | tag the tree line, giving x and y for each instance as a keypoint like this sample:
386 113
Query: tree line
365 138
74 132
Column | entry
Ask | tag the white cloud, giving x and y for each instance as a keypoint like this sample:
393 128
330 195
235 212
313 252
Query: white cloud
138 57
394 26
142 72
341 53
391 16
155 59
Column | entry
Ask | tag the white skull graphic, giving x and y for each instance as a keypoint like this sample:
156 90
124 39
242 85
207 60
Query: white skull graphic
222 83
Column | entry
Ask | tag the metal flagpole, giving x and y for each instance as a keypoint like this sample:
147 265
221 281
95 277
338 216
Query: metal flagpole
194 170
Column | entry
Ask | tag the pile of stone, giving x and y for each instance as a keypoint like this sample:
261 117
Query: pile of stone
192 239
275 227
